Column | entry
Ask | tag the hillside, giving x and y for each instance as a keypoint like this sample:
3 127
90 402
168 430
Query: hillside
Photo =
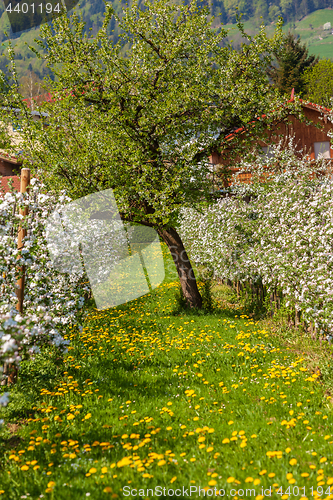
309 28
303 17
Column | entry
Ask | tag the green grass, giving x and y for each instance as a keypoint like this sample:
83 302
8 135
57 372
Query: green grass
317 19
151 395
324 50
320 42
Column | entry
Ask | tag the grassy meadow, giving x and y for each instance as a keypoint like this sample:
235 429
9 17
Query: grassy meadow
150 394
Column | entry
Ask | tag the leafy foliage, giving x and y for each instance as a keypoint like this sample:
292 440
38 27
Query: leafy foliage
319 83
144 123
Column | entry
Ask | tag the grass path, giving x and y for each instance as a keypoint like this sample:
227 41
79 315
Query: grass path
151 398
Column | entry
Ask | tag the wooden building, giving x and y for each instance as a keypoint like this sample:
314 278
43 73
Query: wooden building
309 138
10 167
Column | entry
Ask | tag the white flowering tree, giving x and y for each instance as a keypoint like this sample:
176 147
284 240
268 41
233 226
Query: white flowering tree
283 236
52 300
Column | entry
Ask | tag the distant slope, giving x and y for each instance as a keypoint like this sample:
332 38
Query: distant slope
301 16
309 28
92 13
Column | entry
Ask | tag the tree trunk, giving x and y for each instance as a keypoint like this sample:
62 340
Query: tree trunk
11 372
183 266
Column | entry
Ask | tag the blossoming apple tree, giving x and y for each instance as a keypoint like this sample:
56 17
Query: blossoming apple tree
142 115
52 300
282 236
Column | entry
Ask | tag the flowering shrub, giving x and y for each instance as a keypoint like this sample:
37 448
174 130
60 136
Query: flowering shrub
52 300
282 236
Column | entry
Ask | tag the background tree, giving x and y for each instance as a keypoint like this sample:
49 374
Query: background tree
261 12
30 86
290 64
145 122
319 83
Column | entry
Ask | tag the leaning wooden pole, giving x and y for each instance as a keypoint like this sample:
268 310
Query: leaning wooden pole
10 369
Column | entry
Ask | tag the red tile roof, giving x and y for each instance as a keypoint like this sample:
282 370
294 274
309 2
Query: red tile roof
38 99
4 188
310 105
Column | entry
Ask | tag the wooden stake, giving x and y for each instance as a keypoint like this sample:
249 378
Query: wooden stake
11 369
25 182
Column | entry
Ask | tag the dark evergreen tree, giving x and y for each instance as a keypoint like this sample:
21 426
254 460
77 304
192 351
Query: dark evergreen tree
287 72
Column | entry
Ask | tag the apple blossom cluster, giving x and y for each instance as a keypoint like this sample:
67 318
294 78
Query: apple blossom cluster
4 398
283 235
52 300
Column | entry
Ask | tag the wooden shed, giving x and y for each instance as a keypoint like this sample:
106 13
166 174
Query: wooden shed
10 167
309 138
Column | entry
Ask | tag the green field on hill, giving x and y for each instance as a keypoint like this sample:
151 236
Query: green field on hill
310 29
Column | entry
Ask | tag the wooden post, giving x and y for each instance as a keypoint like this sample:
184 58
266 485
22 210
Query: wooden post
25 182
11 369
